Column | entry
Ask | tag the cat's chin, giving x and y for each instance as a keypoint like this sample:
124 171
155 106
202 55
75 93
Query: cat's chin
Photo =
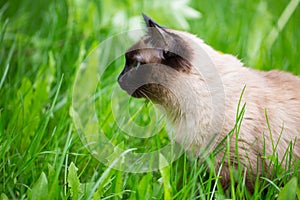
138 94
143 92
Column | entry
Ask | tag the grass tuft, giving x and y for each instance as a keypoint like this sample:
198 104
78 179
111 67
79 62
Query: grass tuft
41 47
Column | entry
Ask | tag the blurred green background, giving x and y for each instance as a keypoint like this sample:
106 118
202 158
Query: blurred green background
42 44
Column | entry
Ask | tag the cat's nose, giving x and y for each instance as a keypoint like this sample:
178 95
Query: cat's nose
123 78
120 78
122 74
122 83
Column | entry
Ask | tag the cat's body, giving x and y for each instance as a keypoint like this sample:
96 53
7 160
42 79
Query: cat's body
187 95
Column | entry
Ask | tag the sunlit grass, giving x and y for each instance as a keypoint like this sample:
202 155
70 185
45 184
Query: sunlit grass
41 47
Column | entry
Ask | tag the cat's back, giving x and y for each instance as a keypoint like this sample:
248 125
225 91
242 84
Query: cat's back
286 82
282 92
270 97
273 99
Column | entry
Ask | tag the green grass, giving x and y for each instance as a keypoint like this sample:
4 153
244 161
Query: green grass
42 44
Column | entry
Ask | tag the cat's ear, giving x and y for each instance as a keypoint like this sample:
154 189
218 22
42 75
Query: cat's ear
150 22
155 30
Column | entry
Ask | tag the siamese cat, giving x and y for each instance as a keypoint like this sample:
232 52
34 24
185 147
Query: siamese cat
200 90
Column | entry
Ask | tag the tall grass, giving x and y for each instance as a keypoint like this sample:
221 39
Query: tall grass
41 46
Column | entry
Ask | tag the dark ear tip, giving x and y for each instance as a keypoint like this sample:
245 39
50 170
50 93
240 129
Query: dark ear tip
146 18
149 22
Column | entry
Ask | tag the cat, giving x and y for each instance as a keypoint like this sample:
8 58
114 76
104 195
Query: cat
201 89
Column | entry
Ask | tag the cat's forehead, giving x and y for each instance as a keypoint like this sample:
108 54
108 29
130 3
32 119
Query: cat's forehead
144 51
143 43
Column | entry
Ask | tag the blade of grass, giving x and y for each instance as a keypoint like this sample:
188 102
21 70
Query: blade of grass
106 172
11 51
282 21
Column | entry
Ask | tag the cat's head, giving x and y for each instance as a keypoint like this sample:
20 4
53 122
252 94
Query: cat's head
158 64
177 70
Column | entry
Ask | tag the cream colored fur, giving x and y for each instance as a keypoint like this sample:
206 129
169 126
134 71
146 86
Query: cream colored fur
202 105
274 93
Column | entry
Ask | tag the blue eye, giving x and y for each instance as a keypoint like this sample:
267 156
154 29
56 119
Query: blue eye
136 64
168 54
